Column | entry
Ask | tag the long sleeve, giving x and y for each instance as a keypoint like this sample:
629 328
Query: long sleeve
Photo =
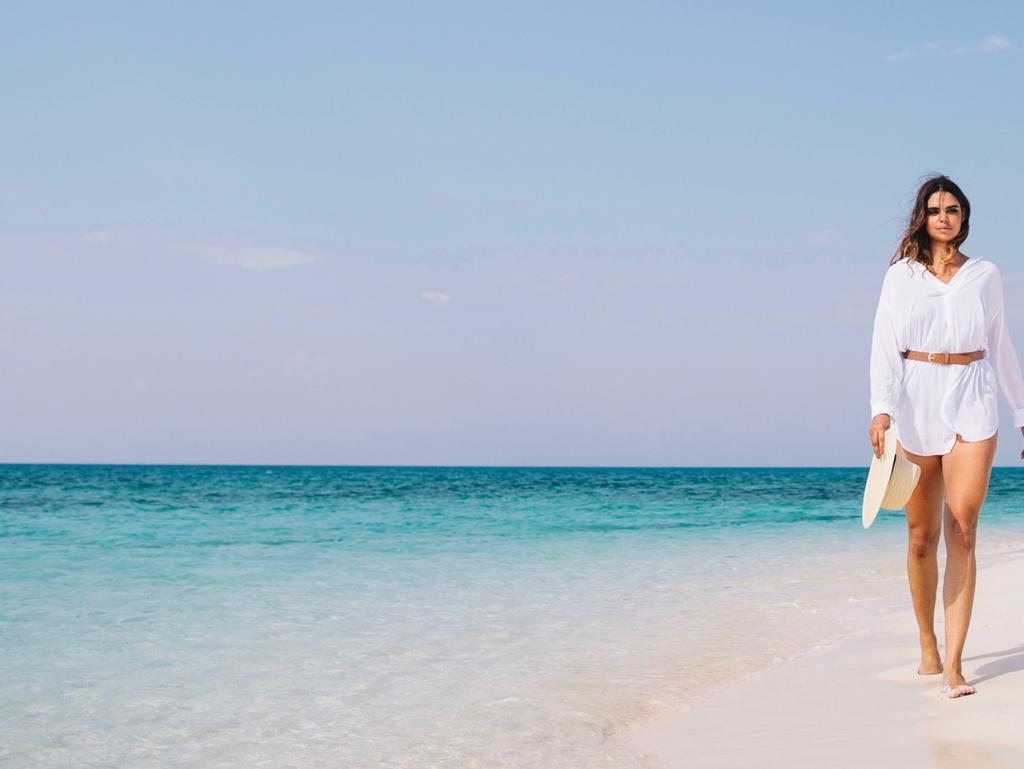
886 367
1004 359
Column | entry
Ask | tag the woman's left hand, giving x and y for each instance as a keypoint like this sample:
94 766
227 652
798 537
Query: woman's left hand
1022 450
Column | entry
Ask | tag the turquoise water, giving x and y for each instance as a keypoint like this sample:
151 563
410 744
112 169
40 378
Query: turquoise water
411 617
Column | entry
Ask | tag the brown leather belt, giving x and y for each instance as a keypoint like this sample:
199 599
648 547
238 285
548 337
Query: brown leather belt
944 358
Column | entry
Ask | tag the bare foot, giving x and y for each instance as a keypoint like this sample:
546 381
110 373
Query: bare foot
931 662
955 685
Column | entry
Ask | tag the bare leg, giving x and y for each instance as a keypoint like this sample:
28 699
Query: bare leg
924 525
966 470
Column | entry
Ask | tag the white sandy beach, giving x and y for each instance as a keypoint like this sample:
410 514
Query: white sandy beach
860 703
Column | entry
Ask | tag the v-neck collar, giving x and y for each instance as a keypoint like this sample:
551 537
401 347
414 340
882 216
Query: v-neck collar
948 283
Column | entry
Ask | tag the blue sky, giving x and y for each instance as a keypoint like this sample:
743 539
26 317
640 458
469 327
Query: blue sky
464 233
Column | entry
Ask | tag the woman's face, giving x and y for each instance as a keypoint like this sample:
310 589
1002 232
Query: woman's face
944 216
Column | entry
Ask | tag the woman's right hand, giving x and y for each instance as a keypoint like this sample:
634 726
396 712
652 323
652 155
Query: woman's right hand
879 424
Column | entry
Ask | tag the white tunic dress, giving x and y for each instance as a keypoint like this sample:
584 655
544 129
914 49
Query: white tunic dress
931 403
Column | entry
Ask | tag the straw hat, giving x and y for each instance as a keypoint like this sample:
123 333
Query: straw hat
891 481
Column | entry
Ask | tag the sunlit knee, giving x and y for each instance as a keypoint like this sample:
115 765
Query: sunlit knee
923 545
962 534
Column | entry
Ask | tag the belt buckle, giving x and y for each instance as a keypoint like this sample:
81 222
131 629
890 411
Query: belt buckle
940 363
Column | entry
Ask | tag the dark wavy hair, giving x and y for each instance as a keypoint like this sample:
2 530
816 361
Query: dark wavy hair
915 245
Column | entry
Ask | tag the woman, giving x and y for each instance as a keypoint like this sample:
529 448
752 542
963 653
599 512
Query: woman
940 346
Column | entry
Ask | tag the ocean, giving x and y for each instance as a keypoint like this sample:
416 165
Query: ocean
417 617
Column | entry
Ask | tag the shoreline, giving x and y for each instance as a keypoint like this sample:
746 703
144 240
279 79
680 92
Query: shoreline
860 701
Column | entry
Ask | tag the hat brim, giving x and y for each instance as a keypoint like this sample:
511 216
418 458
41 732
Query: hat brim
878 480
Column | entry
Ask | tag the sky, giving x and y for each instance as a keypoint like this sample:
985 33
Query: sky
646 234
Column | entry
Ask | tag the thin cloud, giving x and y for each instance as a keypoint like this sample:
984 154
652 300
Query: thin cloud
436 297
991 44
908 53
259 258
97 236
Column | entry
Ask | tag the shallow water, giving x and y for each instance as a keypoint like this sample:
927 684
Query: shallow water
414 617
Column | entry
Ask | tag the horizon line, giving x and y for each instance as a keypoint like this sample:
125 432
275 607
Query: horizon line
446 467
